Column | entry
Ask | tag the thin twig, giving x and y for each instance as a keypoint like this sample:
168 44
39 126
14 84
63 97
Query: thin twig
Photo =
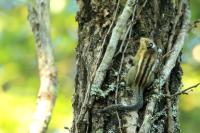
140 9
185 91
67 128
156 13
107 33
194 25
179 14
119 122
158 115
132 22
170 121
167 54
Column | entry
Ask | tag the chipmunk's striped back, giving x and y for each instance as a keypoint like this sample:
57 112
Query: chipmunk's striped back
145 69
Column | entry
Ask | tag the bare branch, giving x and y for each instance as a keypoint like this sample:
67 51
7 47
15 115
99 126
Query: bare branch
40 23
185 91
166 54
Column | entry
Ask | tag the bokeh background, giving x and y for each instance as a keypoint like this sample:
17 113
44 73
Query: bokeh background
19 80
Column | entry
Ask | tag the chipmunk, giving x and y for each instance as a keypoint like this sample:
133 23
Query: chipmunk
140 75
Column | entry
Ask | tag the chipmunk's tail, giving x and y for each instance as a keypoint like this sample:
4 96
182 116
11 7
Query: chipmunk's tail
121 107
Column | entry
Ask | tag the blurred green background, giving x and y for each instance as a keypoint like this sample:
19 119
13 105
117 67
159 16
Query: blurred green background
19 80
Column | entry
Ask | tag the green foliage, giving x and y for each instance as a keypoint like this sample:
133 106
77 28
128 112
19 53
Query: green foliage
19 79
190 121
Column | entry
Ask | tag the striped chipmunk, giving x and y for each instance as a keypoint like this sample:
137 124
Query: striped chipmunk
140 75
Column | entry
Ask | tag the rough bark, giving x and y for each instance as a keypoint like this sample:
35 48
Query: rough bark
39 18
165 22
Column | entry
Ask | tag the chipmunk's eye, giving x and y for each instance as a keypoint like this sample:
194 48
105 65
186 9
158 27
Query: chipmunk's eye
130 61
150 45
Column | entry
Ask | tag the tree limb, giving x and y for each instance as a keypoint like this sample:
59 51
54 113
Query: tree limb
185 91
40 22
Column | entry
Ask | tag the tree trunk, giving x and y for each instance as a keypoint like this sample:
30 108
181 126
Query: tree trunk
163 22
